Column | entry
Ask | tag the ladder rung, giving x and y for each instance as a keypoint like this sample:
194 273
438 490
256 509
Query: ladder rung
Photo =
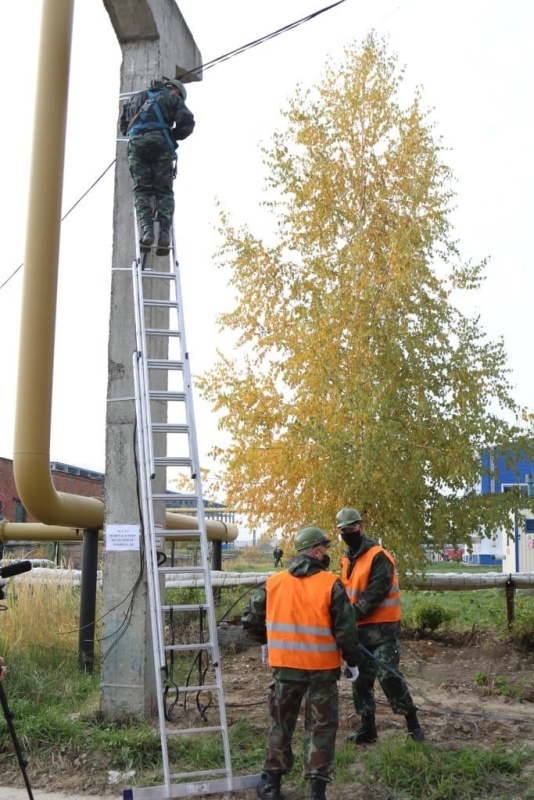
162 332
200 774
173 498
172 461
151 302
164 394
184 648
197 607
182 532
163 363
170 427
206 687
210 729
177 570
150 273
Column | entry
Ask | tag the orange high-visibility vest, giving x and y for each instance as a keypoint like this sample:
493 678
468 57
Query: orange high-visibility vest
299 627
389 609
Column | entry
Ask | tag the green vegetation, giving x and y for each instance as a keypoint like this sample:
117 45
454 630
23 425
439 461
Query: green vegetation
57 717
396 409
463 611
499 686
412 771
430 615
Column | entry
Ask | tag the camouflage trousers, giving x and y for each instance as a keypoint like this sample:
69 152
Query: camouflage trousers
384 665
152 170
321 716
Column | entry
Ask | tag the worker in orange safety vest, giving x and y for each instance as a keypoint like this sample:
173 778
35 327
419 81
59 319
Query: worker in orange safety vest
305 617
370 578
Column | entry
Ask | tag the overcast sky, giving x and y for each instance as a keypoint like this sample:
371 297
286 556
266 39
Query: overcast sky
475 63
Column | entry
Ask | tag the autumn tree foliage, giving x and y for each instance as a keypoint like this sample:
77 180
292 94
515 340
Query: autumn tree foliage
356 380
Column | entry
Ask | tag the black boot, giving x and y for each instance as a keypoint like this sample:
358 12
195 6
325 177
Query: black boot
415 731
366 733
318 789
269 786
147 234
164 241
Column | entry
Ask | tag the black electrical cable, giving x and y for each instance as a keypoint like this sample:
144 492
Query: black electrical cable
125 624
201 68
255 42
65 216
452 712
241 596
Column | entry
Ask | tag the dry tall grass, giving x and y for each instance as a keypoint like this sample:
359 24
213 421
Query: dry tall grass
39 617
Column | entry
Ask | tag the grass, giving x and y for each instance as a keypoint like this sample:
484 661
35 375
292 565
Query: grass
412 771
400 769
56 708
482 610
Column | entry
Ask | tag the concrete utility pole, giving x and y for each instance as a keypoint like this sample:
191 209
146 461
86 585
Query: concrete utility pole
155 41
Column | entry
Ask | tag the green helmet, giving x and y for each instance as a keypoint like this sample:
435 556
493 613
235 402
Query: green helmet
348 516
176 84
308 537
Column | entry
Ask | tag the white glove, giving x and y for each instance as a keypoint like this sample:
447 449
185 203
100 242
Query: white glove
264 654
351 673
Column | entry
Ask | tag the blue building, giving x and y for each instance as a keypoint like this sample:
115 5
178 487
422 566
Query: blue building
506 475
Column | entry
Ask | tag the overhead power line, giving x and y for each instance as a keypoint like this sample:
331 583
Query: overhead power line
261 40
203 67
79 200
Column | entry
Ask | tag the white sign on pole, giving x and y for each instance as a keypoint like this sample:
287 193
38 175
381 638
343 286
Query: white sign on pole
122 537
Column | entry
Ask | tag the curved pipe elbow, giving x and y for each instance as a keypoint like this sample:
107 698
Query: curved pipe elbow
40 498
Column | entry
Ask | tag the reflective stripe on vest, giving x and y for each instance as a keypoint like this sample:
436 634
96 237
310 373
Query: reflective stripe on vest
299 627
389 609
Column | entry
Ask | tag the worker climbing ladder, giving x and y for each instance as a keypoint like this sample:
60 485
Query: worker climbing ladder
166 443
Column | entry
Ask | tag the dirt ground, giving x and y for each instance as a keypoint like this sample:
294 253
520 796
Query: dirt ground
443 675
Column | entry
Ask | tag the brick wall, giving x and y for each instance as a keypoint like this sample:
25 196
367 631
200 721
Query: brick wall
66 482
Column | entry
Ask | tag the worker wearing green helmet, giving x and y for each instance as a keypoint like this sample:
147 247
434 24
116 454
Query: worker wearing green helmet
370 578
305 617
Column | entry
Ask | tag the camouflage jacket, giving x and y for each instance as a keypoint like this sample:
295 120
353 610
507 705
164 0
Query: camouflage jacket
378 587
173 110
342 616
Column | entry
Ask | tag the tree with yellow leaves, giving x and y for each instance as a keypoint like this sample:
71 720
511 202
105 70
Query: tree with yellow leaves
355 379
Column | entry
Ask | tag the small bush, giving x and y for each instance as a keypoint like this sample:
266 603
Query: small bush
480 679
428 616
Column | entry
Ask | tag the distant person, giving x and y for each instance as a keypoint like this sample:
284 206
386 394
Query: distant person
154 121
370 578
3 669
277 556
304 616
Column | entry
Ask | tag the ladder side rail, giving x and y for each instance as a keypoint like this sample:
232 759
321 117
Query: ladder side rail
148 521
151 567
142 419
190 415
140 335
147 472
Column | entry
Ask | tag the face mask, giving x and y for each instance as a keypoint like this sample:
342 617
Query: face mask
352 540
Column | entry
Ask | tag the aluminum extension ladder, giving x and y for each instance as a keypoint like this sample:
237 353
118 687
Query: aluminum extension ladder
163 389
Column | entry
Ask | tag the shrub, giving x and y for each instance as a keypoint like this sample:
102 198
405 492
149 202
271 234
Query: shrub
428 616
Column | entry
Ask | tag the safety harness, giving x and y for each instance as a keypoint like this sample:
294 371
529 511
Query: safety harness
151 104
